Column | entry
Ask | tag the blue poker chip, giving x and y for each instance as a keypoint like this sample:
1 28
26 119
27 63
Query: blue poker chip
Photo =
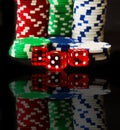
60 48
61 40
61 93
61 96
61 43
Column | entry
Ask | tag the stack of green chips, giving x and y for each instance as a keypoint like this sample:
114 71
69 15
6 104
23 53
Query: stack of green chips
60 18
22 47
60 115
23 89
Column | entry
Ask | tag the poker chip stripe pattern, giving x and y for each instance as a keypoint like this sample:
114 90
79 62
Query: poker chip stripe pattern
60 115
32 114
60 18
23 89
88 112
89 18
98 51
32 18
22 47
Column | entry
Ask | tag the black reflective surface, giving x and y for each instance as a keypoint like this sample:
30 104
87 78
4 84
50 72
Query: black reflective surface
87 98
33 98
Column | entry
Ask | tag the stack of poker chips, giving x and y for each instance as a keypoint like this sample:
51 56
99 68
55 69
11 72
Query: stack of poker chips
98 51
60 43
32 114
89 18
32 18
89 113
60 115
60 17
24 89
22 47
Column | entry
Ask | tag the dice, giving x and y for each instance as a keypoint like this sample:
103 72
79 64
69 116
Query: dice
39 82
77 57
77 80
56 60
39 55
56 79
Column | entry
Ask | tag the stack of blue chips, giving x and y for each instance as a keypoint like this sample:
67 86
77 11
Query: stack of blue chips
89 18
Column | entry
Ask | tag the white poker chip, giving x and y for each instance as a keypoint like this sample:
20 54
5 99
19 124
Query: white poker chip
94 47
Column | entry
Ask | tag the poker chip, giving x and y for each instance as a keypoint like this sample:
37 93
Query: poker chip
32 18
23 89
88 20
96 47
22 47
60 114
60 20
32 114
67 24
98 51
58 85
89 112
76 88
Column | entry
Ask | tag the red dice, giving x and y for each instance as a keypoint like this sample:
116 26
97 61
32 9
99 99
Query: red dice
39 55
77 57
39 82
56 60
78 81
56 79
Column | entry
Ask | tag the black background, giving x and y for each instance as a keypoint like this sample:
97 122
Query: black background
9 69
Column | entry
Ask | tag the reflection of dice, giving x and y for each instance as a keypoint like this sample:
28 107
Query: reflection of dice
56 79
39 55
78 81
56 60
77 57
39 82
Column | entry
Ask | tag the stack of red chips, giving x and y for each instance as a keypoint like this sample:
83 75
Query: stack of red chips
32 114
32 18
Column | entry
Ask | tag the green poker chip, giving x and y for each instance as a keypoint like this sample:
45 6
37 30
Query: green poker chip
22 47
23 89
60 1
60 114
60 20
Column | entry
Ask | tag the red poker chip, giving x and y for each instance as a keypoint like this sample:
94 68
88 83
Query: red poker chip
21 26
37 7
31 2
19 35
32 113
33 18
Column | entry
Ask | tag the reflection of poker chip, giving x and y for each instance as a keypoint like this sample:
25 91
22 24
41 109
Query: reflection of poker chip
23 89
32 114
60 114
22 47
82 87
88 112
